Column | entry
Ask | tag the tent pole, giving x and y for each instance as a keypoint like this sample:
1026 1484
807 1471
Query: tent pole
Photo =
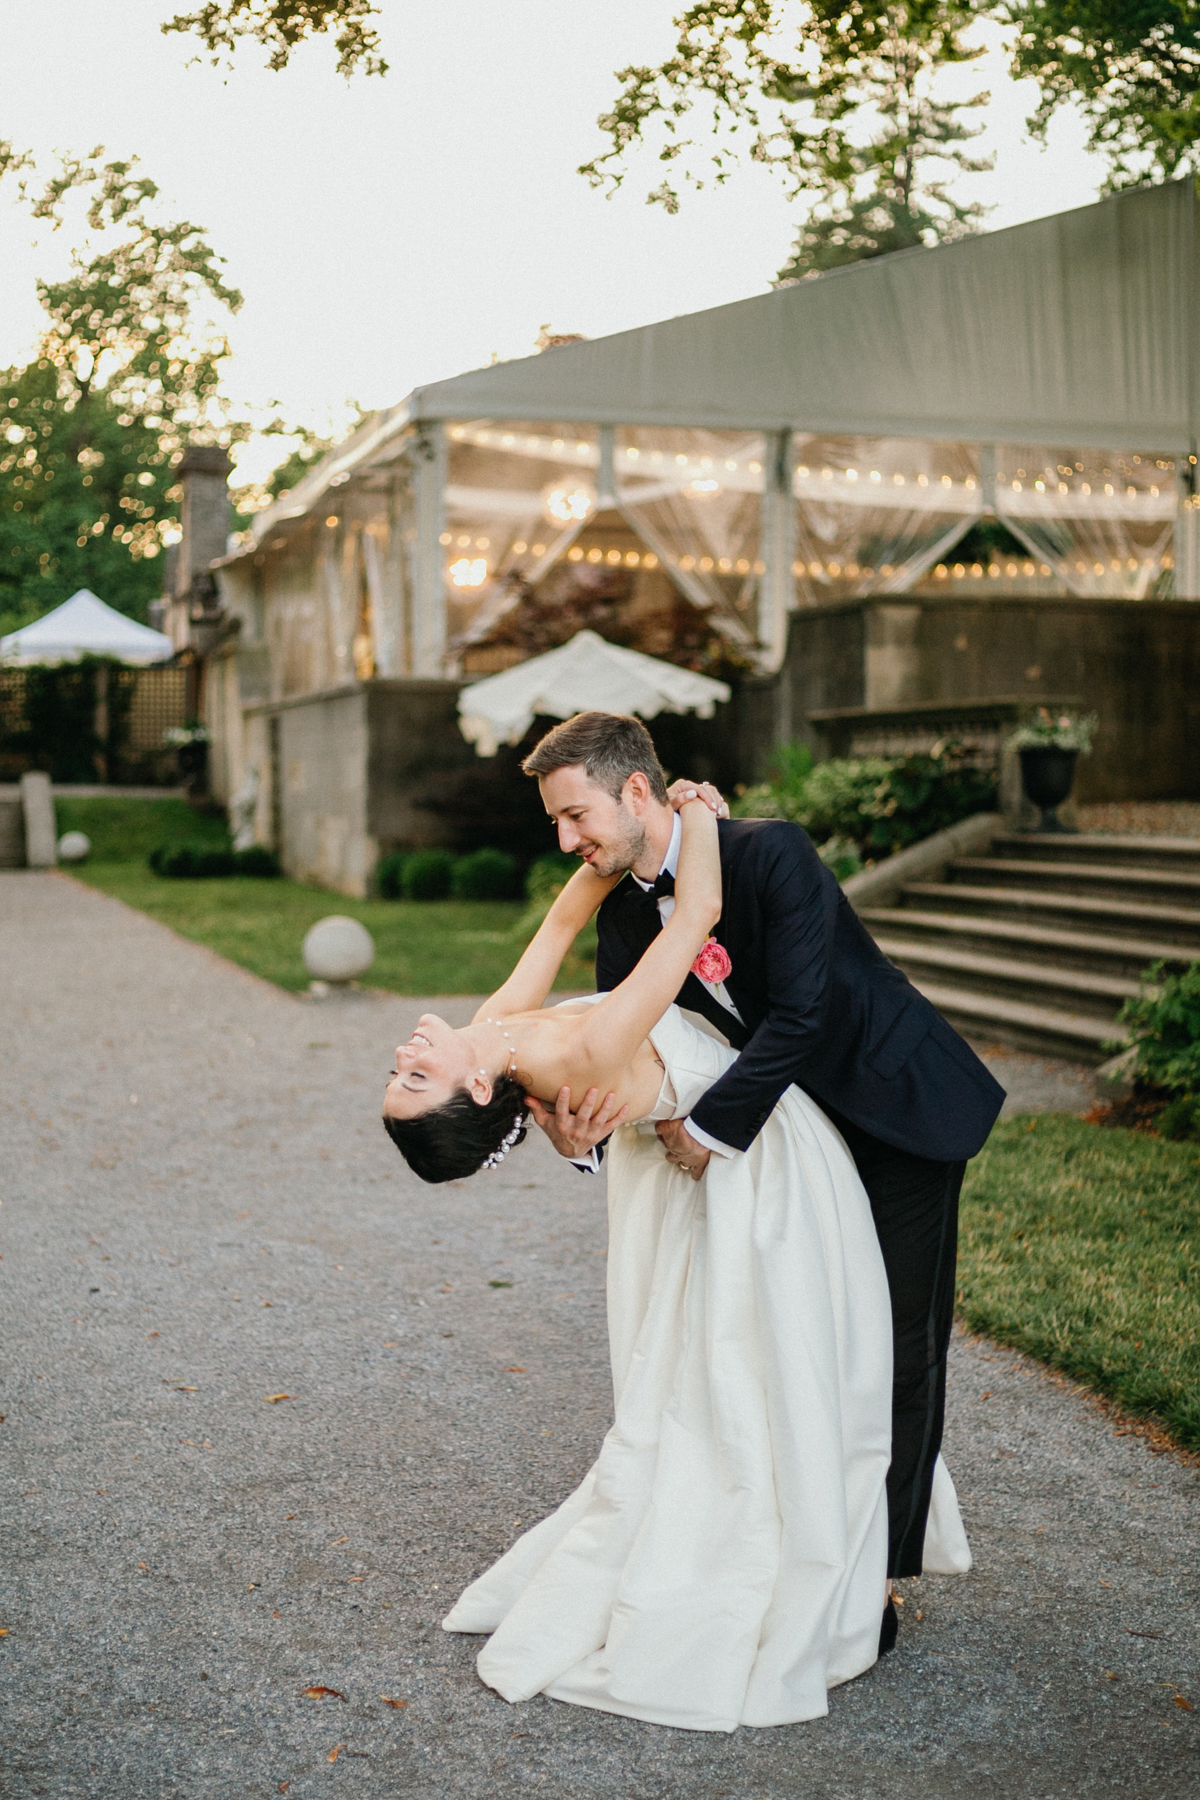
429 596
1187 531
606 478
777 587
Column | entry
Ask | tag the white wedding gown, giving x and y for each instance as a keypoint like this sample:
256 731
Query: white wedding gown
723 1561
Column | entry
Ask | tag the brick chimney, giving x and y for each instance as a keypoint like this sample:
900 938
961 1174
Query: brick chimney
207 514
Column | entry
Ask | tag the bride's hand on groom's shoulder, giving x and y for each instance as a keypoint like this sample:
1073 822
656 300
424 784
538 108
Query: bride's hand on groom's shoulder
574 1134
680 792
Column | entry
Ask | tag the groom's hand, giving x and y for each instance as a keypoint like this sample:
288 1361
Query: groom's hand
574 1134
680 792
682 1148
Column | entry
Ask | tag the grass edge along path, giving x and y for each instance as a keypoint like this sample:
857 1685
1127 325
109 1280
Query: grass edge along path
421 947
1080 1246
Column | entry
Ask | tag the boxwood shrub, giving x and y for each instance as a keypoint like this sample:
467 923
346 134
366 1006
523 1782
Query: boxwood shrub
486 875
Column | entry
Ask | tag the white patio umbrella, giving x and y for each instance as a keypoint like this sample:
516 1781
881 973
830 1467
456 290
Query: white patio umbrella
82 626
585 675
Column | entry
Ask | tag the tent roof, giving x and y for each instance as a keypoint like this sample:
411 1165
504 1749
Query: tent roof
583 674
1078 329
84 625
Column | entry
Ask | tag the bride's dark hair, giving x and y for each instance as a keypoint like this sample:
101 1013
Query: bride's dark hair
462 1137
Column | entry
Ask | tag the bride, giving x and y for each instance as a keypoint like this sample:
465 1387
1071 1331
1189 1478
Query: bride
723 1561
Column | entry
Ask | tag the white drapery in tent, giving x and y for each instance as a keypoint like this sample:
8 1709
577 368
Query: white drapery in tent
696 498
1102 520
585 674
873 515
85 626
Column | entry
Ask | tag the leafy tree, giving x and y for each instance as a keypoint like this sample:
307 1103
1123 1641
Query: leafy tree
1134 65
1134 68
126 372
281 26
837 97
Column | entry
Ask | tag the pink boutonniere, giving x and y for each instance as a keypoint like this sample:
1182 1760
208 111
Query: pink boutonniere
713 962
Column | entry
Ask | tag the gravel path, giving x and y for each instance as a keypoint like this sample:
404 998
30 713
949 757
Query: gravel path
201 1214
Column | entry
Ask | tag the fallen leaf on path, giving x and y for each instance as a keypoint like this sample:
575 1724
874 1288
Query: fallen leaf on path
1107 1584
387 1701
490 1284
336 1752
514 1370
273 1399
356 1578
284 1786
1186 1704
4 1631
1130 1632
320 1693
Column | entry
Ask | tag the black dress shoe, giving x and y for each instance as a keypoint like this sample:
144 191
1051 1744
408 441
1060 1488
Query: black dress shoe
889 1628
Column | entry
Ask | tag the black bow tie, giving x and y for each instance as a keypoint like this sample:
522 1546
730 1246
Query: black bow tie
663 887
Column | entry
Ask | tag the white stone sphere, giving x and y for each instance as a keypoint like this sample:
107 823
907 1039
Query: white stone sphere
74 847
338 949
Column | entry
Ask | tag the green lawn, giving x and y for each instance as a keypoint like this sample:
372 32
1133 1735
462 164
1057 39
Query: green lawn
433 947
1080 1246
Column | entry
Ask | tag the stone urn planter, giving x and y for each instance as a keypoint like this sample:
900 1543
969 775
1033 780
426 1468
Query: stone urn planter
1047 775
192 760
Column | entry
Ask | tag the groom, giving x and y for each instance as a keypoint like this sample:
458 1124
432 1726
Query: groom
809 998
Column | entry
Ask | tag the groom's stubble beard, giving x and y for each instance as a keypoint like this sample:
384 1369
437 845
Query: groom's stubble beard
619 857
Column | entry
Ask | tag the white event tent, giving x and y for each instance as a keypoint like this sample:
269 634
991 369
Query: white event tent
587 673
831 440
85 626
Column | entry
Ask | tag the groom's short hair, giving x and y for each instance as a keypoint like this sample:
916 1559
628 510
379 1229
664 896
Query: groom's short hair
610 746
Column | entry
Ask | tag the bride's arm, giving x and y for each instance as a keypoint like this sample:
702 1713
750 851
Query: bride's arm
613 1030
533 977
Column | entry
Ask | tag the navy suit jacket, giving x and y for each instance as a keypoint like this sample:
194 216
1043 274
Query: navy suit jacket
822 1005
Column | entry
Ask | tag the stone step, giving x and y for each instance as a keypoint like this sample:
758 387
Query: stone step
1044 906
12 832
1170 885
1039 983
1131 852
1080 1036
1122 956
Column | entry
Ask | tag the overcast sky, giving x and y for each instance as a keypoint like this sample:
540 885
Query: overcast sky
396 231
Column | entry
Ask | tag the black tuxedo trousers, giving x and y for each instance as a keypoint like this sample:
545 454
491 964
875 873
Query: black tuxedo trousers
821 1006
914 1202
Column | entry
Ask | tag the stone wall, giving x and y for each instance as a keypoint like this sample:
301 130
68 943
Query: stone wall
1134 663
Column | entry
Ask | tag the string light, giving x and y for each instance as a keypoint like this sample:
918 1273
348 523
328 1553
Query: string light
468 572
568 505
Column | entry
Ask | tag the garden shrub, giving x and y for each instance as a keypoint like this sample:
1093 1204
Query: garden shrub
208 862
872 805
486 875
389 876
1163 1024
191 862
426 875
257 860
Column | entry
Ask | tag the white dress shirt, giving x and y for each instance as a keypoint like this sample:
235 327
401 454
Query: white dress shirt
666 906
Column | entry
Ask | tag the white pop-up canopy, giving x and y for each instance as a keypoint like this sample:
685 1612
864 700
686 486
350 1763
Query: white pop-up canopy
85 626
587 674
